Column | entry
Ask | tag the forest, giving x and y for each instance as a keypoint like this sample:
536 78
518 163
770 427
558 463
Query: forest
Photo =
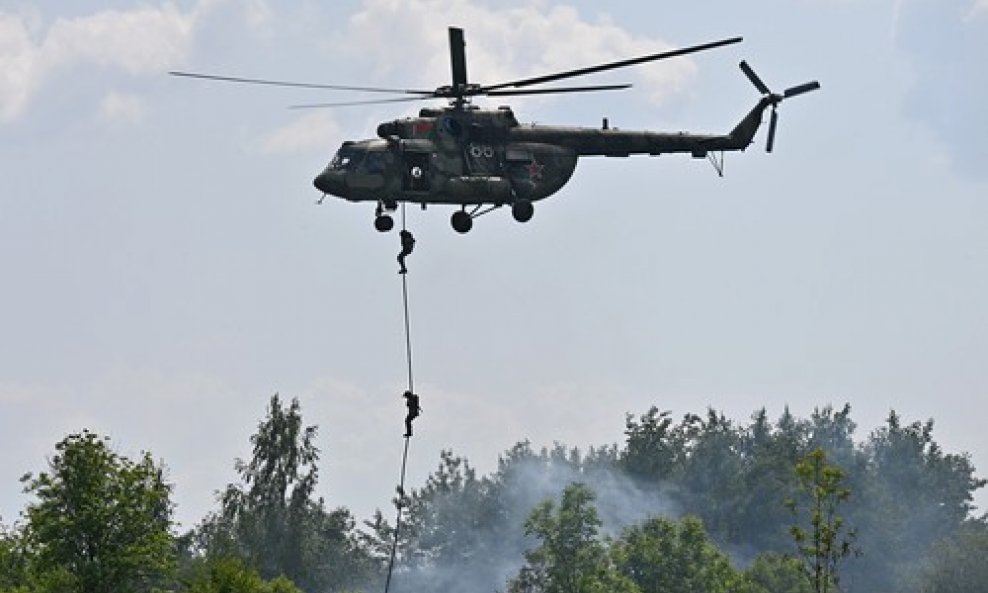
700 503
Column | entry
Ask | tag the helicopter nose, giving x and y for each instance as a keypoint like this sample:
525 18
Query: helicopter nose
330 182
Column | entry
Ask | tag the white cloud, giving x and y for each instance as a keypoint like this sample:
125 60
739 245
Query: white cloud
314 130
18 69
977 9
143 40
122 107
503 44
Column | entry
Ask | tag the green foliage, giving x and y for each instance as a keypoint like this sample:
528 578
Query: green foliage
58 580
767 455
13 564
571 557
957 564
826 541
666 556
911 495
908 492
710 469
735 477
231 575
271 534
774 573
101 521
274 502
273 522
651 450
443 518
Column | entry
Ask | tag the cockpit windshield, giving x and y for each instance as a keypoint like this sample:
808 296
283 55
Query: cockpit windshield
346 158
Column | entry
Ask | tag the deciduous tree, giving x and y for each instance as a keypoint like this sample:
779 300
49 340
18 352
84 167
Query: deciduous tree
274 522
101 521
666 556
959 563
775 573
821 536
571 557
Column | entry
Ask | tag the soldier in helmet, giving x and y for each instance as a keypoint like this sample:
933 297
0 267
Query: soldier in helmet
407 244
412 401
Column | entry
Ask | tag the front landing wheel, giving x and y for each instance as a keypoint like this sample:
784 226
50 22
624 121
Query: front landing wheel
522 210
462 222
384 223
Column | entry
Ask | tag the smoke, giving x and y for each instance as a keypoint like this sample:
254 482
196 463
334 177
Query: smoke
468 534
487 548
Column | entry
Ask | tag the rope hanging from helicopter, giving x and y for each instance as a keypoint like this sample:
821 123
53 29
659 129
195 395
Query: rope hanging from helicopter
401 501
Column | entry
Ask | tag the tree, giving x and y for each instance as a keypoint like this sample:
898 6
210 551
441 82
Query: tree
271 506
13 567
444 515
272 520
231 575
957 564
827 541
768 454
911 495
774 573
666 556
101 520
650 451
571 558
712 472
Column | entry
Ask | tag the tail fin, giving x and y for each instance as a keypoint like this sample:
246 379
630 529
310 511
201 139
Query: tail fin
743 133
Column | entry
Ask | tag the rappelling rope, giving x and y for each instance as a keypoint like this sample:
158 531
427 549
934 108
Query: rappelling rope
404 300
404 456
401 502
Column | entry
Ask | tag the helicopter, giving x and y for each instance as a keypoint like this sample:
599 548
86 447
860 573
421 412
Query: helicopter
480 160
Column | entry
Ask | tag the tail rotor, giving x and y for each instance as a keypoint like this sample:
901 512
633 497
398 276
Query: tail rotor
774 99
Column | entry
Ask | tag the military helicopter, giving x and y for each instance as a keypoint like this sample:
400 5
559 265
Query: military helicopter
481 160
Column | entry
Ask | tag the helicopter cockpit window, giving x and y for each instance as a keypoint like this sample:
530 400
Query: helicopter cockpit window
375 162
346 159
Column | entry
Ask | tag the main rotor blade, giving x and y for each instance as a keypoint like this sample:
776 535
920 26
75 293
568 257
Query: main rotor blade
352 103
568 89
800 89
305 85
754 78
457 57
611 66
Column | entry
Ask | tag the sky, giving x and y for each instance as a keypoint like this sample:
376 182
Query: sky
166 268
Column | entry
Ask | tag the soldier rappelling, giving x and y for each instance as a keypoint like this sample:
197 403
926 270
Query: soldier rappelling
407 245
414 409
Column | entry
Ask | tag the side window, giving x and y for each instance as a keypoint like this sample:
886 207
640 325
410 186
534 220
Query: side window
517 154
375 162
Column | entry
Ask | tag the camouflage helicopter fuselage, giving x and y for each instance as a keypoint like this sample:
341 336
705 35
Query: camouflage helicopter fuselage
472 157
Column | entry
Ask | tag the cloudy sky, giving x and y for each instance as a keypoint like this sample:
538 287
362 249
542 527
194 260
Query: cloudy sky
166 268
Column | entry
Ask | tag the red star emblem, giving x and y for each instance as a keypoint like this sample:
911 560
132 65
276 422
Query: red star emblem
421 127
535 170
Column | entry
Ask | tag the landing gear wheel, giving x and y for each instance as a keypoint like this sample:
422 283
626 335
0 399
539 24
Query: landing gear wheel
522 210
384 223
462 222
